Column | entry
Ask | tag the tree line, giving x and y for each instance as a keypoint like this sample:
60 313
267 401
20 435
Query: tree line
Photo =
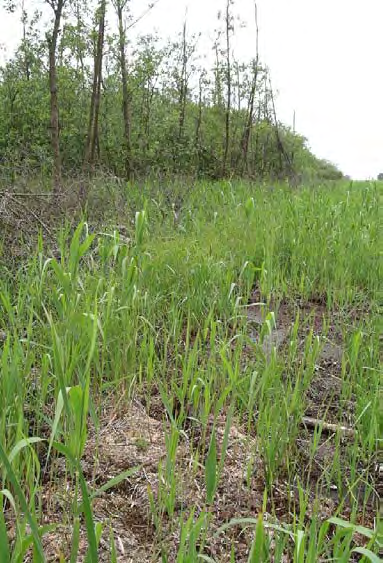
83 96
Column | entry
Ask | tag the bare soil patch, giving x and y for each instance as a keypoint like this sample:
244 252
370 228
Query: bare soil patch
325 398
131 438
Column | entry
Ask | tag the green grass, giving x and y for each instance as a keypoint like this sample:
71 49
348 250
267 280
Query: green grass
162 311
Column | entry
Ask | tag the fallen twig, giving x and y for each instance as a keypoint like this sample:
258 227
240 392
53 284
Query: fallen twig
327 426
44 226
23 194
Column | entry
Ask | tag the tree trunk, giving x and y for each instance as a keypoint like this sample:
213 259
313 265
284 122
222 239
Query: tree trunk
250 114
249 122
55 124
228 85
80 65
217 93
197 139
182 86
24 20
256 140
90 152
282 153
120 5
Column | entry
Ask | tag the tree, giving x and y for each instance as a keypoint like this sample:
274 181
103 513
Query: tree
120 5
148 70
92 137
57 7
182 85
163 111
250 111
228 30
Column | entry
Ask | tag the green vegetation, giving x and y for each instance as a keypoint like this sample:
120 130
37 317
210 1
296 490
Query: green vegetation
189 307
160 108
158 380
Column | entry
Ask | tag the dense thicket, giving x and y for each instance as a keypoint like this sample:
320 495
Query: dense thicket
139 108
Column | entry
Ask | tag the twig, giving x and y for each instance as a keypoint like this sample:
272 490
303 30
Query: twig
141 16
326 426
22 194
33 214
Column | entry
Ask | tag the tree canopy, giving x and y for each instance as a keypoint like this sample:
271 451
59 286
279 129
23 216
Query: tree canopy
84 96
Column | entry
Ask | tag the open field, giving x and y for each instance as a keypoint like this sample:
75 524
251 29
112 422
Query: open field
200 383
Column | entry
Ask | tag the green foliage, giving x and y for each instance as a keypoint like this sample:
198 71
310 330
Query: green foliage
164 308
177 113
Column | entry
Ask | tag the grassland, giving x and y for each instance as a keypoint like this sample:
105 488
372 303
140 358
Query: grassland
200 383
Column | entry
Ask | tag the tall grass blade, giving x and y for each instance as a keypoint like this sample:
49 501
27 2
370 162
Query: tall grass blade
5 554
368 554
258 545
86 505
211 469
24 505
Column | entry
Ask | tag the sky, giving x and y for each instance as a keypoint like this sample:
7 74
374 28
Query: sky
325 58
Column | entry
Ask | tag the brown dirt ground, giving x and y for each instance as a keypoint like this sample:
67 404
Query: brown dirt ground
131 438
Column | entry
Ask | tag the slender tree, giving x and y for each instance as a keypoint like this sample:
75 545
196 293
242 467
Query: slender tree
182 88
202 79
52 39
92 137
228 30
250 110
120 6
79 46
282 153
148 104
148 70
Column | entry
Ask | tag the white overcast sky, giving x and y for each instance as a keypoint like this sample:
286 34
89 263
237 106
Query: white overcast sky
325 58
